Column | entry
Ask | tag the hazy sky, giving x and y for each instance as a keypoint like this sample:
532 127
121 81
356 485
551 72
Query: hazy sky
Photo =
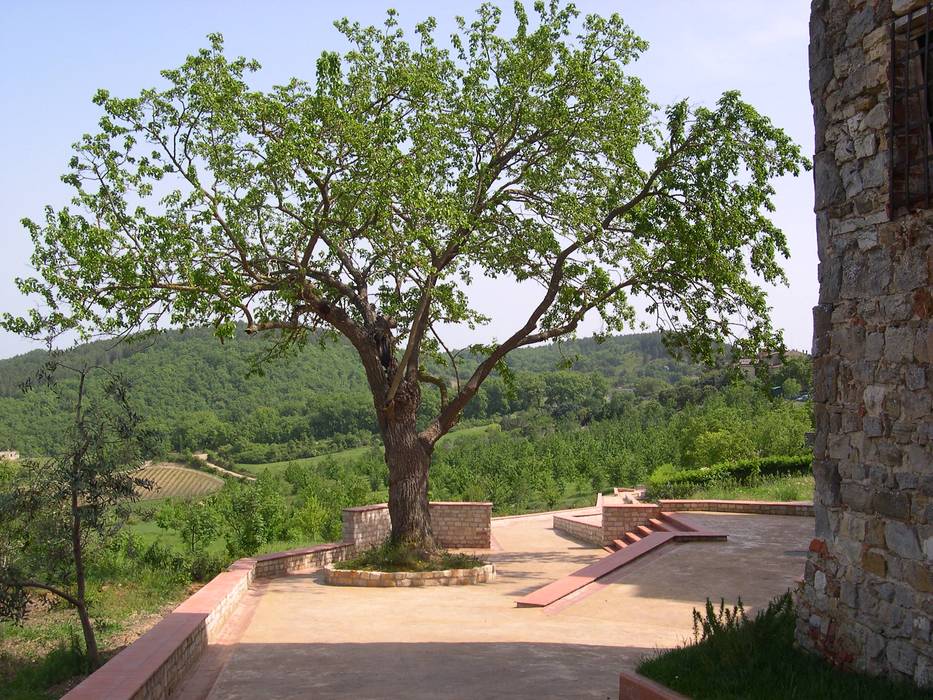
56 54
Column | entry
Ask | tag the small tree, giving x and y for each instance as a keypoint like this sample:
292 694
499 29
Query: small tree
362 204
197 523
252 514
57 508
790 388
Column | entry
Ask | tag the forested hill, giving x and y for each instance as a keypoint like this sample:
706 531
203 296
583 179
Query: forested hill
197 393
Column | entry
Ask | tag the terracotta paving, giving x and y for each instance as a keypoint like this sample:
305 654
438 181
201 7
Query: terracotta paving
297 638
628 552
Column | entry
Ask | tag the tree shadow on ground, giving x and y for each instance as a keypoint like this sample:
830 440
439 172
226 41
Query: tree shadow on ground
425 671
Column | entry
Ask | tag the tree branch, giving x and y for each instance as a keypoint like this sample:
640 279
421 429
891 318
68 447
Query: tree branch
436 381
51 589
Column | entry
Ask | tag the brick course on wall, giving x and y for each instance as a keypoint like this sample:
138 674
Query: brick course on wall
456 524
867 597
580 529
801 508
622 518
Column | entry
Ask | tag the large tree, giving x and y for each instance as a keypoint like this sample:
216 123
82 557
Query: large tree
364 204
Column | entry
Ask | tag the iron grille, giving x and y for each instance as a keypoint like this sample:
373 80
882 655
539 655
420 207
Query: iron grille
911 124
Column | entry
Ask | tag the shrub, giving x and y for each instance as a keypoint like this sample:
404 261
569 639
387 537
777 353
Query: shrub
738 658
666 483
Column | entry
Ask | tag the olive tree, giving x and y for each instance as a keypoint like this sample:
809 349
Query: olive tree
363 204
57 508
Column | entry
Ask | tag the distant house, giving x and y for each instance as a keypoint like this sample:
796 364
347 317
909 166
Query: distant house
9 454
747 364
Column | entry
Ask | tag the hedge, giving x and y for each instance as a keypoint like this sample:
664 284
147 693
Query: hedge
667 482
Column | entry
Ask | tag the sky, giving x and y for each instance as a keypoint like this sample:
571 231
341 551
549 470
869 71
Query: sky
58 53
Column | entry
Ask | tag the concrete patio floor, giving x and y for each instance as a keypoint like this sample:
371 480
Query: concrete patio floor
294 637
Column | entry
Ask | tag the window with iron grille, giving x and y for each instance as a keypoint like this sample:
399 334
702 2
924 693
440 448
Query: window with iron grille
911 129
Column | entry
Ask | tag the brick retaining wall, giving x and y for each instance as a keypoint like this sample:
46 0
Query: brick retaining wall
455 524
625 517
758 507
580 529
465 524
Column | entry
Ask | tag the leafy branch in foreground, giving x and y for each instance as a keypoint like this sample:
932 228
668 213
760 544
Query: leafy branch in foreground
364 203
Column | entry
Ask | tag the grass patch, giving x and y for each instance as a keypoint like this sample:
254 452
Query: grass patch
28 680
733 657
766 488
392 557
48 648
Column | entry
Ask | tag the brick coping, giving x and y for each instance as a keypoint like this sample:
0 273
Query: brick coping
722 501
788 508
383 506
288 553
634 686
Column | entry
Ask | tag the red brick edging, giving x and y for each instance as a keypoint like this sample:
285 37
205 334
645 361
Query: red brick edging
722 506
153 665
633 686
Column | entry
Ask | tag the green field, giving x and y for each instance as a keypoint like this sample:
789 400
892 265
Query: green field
356 452
173 481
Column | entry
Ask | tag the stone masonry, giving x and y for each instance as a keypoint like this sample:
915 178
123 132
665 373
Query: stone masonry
621 518
867 596
455 524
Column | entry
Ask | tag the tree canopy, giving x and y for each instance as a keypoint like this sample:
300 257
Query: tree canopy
381 188
366 201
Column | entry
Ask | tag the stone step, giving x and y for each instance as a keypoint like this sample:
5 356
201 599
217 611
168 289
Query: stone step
631 537
643 531
676 524
657 525
619 544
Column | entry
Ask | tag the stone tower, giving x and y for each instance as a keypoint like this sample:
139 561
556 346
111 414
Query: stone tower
867 597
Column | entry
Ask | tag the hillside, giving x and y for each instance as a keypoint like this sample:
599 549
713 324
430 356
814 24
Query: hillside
196 393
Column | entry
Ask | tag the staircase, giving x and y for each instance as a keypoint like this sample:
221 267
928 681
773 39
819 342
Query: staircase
632 545
666 523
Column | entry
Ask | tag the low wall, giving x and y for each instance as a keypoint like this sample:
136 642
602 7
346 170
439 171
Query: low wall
615 521
457 524
462 524
406 579
757 507
152 667
580 529
625 517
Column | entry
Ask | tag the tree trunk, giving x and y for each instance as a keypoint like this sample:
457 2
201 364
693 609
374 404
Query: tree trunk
90 640
409 461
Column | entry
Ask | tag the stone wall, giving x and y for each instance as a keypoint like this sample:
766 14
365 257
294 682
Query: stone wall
621 518
462 524
579 529
867 597
366 526
455 524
